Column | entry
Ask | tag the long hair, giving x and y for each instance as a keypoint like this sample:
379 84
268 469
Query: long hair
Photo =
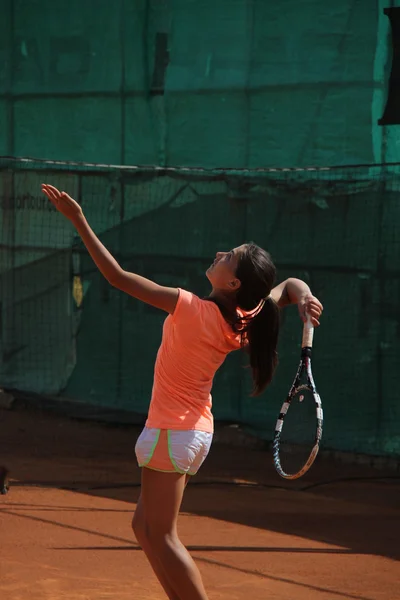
259 322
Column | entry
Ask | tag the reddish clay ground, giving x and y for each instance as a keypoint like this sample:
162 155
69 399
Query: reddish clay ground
65 524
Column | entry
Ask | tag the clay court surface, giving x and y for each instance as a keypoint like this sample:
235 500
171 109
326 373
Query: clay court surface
65 523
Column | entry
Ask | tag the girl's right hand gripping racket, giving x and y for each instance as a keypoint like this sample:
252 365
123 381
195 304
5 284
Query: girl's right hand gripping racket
298 430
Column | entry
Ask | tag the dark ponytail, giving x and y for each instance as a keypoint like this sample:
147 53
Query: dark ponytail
259 325
261 341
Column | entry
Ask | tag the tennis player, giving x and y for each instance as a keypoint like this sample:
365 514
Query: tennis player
242 311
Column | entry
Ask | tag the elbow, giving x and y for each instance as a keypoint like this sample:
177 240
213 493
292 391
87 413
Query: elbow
115 278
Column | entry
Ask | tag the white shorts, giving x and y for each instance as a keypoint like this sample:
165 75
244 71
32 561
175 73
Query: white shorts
172 450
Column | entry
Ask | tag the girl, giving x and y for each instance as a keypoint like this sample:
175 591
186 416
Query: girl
242 311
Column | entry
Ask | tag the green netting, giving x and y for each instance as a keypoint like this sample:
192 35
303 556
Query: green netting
244 83
335 228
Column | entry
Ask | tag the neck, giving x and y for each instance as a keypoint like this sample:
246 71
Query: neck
227 299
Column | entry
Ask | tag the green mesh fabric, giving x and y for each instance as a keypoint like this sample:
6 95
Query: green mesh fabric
335 228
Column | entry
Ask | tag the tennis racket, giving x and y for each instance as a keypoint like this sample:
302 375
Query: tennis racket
298 430
3 480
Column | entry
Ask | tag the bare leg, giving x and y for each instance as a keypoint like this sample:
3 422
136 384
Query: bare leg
140 530
162 496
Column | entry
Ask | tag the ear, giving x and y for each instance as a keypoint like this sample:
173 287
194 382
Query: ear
235 284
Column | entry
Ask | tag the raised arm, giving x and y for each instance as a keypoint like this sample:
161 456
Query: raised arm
296 291
137 286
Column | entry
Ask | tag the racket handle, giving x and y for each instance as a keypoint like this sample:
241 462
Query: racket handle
308 333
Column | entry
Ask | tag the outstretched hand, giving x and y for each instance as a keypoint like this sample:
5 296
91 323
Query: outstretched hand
310 305
62 201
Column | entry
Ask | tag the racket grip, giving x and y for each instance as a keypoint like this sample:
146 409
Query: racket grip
308 333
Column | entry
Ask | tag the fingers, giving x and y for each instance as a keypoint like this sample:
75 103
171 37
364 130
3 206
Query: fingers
314 304
54 194
52 188
62 201
314 308
314 316
49 197
312 300
51 192
314 312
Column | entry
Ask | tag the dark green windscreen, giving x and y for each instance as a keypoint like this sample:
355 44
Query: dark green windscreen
232 83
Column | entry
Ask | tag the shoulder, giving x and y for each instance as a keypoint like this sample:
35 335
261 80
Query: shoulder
189 306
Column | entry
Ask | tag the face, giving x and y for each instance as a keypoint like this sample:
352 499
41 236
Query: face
222 273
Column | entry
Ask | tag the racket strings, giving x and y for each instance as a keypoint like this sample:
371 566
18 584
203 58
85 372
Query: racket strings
297 438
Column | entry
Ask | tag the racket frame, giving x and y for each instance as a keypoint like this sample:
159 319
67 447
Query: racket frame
304 367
